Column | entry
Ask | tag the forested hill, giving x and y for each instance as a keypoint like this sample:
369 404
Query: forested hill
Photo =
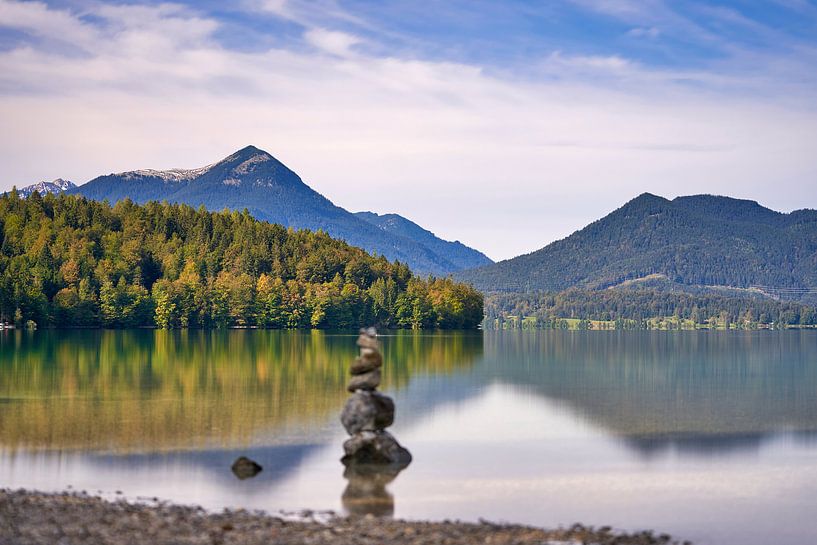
253 179
700 240
69 261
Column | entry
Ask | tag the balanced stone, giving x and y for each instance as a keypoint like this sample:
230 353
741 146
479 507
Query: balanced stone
375 447
369 360
367 411
366 381
367 341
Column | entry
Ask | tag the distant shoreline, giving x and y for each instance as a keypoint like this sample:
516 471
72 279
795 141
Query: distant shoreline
78 518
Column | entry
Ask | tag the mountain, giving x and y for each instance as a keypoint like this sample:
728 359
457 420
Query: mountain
57 186
687 242
457 253
253 179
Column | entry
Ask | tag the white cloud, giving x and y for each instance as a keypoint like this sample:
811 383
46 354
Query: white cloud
644 32
333 42
37 19
502 164
310 13
596 63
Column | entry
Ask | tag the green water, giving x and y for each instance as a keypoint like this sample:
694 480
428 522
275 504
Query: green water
711 436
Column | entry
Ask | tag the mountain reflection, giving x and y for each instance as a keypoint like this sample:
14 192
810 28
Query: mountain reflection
700 393
157 390
697 392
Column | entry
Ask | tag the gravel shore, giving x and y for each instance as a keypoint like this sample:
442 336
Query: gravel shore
69 518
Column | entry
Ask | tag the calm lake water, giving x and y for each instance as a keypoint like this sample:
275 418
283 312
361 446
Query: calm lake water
711 436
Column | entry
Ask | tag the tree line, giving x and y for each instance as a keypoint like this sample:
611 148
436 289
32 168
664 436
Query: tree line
67 261
634 307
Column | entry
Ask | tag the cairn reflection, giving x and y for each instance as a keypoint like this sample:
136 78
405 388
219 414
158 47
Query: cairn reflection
366 492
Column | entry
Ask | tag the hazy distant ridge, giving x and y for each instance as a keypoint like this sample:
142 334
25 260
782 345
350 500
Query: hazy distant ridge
57 186
458 254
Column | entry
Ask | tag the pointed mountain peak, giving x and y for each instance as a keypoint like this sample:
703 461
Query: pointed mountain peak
251 150
63 184
248 152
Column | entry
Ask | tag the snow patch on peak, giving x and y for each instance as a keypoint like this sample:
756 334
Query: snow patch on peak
172 175
248 153
57 186
232 181
250 163
62 185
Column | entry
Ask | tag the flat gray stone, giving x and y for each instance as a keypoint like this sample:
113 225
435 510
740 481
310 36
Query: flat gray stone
375 447
367 411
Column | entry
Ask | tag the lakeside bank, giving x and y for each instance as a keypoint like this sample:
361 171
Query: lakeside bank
34 518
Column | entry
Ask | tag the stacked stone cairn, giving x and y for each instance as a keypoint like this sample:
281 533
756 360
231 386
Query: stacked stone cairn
368 413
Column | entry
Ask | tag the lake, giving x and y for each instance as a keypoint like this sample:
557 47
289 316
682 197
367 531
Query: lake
710 436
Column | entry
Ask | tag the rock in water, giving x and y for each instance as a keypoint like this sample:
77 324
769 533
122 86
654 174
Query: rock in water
375 447
367 411
366 381
244 468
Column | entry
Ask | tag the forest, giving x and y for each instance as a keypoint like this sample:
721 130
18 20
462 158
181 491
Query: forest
691 241
636 309
66 261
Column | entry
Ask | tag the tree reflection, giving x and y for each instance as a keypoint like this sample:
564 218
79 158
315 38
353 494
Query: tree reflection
156 390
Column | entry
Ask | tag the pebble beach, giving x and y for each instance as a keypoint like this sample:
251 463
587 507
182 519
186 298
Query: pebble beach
36 518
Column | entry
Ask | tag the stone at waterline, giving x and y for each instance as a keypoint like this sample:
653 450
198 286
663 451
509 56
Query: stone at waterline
367 411
244 468
366 381
375 447
369 360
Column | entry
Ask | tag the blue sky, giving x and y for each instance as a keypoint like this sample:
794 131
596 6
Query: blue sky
503 124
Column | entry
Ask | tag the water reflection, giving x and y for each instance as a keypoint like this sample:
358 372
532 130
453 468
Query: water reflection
703 393
158 390
710 436
366 492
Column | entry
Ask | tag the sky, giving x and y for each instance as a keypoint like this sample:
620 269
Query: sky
505 125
